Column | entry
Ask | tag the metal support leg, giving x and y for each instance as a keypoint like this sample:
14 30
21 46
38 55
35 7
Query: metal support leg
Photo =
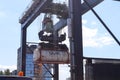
56 66
56 72
23 50
77 45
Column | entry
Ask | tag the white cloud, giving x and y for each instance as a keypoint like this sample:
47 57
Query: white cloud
11 67
84 21
91 38
88 32
93 23
64 72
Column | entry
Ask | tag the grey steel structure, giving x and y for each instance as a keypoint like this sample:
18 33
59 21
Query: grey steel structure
75 9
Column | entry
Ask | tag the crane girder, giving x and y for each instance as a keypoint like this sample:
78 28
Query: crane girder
46 6
63 22
31 14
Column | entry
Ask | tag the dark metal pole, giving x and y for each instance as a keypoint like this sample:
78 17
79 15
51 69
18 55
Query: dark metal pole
23 50
56 66
56 72
76 44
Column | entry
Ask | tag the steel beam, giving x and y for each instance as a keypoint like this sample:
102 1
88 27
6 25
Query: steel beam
84 8
56 72
29 10
59 25
92 3
35 13
23 50
26 21
76 43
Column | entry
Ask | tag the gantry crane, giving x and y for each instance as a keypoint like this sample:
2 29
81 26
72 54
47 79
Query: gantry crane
74 10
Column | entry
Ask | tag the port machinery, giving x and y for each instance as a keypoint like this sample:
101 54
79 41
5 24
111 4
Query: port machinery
64 13
61 10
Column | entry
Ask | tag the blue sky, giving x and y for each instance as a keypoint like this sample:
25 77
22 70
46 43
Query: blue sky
97 41
10 11
109 12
